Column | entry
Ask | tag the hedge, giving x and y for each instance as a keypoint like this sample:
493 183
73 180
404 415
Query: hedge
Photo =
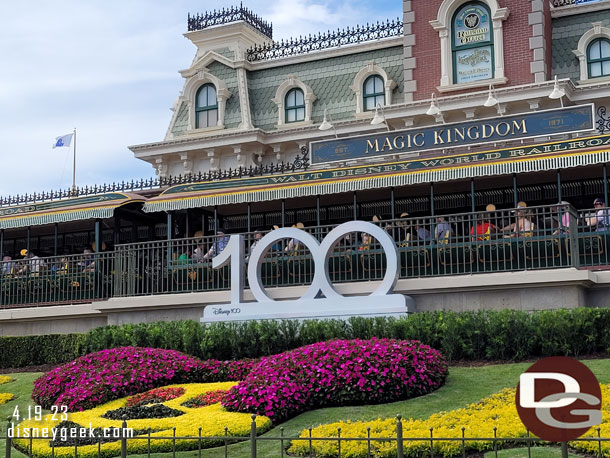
38 350
507 335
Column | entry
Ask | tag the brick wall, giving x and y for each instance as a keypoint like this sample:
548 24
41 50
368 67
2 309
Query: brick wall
517 53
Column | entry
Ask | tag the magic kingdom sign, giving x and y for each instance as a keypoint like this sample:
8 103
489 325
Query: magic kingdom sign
536 124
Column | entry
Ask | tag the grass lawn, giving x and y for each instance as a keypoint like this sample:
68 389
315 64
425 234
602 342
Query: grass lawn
464 386
21 387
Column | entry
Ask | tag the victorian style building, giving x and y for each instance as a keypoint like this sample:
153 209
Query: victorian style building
486 119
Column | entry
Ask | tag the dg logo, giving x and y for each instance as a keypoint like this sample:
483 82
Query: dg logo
559 399
310 304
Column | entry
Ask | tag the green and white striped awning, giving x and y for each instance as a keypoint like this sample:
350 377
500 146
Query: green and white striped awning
79 208
522 159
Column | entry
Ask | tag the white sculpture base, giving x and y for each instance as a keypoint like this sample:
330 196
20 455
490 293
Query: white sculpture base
391 305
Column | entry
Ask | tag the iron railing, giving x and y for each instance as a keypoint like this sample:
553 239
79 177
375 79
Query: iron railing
300 162
533 238
251 445
228 15
330 39
56 280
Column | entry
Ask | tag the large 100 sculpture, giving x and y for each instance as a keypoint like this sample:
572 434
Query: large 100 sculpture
328 304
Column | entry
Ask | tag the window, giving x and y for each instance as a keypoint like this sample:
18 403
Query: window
598 58
373 92
472 44
295 105
206 107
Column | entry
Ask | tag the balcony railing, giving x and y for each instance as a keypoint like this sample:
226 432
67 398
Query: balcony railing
534 238
56 280
228 15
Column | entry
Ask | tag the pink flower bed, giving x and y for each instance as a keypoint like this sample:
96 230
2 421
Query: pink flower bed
340 372
111 374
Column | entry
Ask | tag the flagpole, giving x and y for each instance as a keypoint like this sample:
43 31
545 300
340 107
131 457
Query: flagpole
74 165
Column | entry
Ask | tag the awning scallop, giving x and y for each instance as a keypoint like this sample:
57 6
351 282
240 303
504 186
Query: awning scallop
59 211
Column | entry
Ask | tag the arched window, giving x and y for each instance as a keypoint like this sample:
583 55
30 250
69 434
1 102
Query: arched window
373 92
295 105
206 107
472 43
598 58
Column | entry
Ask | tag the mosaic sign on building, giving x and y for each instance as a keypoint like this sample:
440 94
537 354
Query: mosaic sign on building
472 44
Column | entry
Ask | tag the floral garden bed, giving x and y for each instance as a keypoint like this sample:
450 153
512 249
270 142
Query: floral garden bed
130 383
211 419
478 419
112 374
336 373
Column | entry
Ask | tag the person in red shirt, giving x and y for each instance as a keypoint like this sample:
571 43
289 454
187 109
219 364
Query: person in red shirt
483 228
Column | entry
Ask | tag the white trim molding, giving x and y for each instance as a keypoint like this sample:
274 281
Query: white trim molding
442 24
190 90
598 31
370 69
280 95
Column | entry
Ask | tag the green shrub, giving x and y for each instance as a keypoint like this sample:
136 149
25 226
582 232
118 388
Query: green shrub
509 335
37 350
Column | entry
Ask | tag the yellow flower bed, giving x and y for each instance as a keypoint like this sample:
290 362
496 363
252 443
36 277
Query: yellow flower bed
479 420
5 397
211 419
4 379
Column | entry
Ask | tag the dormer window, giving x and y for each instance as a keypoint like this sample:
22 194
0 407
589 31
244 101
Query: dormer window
295 105
373 92
206 107
598 58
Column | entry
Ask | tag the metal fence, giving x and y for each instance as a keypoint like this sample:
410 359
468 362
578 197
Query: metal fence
252 445
510 240
56 280
535 238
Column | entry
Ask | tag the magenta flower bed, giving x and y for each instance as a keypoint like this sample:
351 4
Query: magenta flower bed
111 374
337 373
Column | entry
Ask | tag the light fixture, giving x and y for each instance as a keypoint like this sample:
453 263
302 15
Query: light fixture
379 118
557 92
491 101
434 110
326 125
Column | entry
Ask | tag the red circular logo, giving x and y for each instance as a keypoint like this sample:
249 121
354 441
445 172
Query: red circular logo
558 399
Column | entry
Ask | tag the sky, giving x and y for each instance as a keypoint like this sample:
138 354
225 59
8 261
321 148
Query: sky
110 69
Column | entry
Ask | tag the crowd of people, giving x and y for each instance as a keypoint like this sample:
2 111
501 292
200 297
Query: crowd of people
30 264
406 231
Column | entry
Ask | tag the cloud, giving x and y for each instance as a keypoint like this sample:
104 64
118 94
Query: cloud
110 68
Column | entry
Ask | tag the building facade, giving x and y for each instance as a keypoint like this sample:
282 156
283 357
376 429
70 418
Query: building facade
473 132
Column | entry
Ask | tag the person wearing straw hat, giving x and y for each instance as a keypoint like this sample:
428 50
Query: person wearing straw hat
294 244
483 228
523 226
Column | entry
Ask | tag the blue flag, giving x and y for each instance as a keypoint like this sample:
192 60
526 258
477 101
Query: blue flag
64 140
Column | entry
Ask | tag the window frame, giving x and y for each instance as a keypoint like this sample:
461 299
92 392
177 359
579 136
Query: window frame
373 95
489 43
206 109
295 108
601 60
